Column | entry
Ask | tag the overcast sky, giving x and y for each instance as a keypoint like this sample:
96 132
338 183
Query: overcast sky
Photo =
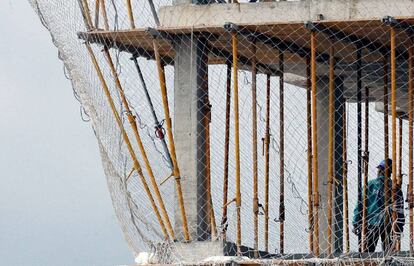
55 207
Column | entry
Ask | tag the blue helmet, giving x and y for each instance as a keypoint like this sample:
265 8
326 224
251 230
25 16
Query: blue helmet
382 165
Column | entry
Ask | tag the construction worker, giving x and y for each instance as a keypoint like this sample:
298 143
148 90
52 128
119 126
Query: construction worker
376 212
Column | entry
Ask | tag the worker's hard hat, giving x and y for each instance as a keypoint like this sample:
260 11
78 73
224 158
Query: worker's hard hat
382 165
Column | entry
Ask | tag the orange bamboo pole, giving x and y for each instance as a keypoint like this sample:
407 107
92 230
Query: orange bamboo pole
87 14
118 120
104 14
267 158
97 5
410 148
226 154
131 119
130 14
236 139
309 150
281 155
254 141
331 145
315 145
176 170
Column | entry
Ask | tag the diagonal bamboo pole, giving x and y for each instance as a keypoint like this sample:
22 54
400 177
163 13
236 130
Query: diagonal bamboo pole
267 158
254 141
134 127
315 145
86 14
309 150
130 14
118 120
176 170
331 145
226 153
97 5
236 139
281 155
410 147
104 14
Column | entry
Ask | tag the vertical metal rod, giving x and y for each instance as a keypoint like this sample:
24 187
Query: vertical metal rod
131 119
130 14
118 120
176 170
386 147
254 141
236 139
267 158
394 126
410 147
104 15
281 154
309 150
226 153
366 162
331 145
359 139
345 176
315 144
154 12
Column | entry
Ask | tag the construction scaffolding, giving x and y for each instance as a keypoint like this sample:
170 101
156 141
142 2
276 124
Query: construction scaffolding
180 96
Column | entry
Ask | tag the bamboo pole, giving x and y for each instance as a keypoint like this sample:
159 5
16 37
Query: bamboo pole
366 161
176 170
87 14
226 153
267 158
130 14
141 147
400 143
410 147
309 150
254 141
118 120
394 126
345 176
315 145
210 211
104 15
331 145
236 139
359 140
281 154
97 5
386 147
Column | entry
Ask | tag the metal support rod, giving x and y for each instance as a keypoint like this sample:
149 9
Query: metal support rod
118 120
315 144
331 145
254 141
157 124
236 140
154 12
130 14
410 148
281 154
226 153
345 176
359 139
309 150
394 125
366 162
386 147
176 170
131 119
267 158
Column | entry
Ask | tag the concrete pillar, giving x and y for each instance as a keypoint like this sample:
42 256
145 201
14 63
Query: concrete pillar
323 152
190 108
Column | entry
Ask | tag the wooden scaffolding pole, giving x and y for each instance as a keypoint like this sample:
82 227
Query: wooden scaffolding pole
366 162
315 145
281 154
236 139
176 170
267 158
254 141
104 14
345 176
118 120
226 154
359 140
309 150
386 147
331 145
131 119
130 14
394 126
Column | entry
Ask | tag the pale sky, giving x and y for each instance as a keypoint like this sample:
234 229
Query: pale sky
55 207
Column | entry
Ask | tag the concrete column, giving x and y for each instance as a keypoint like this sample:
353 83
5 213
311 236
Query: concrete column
190 108
323 153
